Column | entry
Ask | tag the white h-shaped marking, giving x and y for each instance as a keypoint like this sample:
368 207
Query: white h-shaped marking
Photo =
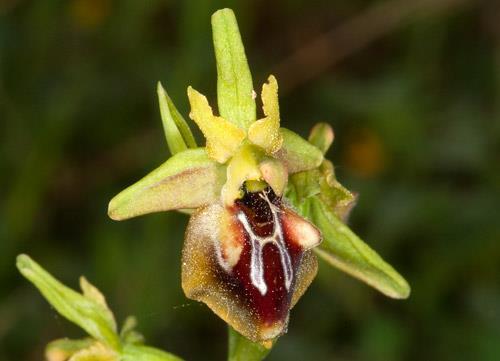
258 243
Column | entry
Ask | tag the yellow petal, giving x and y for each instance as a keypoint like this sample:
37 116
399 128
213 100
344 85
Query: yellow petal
266 132
223 137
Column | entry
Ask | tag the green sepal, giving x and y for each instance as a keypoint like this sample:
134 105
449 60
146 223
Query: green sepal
92 293
346 251
177 132
242 349
297 153
133 352
90 315
189 179
234 80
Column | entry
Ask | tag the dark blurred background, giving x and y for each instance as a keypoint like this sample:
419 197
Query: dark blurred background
412 89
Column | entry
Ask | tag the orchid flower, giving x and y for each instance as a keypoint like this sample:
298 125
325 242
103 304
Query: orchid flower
263 201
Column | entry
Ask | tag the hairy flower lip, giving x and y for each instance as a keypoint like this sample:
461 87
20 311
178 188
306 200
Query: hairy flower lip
222 274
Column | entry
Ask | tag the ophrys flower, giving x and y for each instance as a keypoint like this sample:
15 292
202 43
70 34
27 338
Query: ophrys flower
261 198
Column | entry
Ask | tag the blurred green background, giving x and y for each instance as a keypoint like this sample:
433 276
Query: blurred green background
412 89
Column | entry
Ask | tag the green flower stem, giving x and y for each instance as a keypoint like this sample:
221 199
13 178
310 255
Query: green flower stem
242 349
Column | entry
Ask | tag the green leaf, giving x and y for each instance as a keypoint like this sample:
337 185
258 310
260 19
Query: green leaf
92 293
297 153
242 349
344 250
234 80
177 132
189 179
90 315
145 353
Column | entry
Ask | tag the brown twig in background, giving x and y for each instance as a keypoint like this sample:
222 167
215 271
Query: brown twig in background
371 24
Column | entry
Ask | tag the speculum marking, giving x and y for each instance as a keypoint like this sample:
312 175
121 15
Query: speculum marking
257 244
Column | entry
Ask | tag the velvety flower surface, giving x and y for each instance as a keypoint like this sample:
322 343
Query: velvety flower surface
261 200
250 262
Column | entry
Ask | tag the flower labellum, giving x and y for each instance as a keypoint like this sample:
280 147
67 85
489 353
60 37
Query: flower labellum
250 262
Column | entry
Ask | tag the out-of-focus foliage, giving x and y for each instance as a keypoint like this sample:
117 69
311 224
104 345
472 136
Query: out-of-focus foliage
89 311
416 113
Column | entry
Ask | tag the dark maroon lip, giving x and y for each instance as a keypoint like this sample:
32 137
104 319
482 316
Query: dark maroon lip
272 305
